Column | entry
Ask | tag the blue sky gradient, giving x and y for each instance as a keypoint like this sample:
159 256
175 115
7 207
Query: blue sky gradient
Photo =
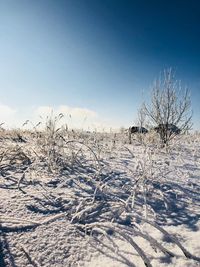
99 55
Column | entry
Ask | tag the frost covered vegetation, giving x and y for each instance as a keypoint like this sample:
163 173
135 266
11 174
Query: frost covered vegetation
75 198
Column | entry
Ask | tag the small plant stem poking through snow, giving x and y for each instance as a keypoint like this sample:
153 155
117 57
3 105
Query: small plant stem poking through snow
67 192
27 254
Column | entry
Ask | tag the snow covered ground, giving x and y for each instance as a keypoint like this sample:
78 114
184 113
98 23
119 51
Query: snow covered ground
88 199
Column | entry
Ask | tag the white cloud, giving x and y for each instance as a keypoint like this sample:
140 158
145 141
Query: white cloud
6 111
7 114
73 112
42 111
65 110
74 117
78 112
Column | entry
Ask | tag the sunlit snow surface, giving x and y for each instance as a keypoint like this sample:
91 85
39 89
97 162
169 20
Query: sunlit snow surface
40 181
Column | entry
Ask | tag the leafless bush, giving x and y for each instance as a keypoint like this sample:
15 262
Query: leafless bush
170 106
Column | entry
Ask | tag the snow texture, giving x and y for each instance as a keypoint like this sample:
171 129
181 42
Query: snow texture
88 199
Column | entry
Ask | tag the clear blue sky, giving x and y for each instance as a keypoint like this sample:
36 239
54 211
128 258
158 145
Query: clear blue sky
101 55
